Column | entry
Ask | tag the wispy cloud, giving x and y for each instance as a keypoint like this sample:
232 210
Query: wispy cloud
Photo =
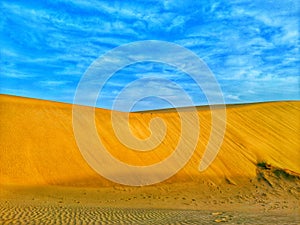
52 83
252 47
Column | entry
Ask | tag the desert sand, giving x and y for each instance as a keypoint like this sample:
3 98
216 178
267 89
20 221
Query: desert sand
255 178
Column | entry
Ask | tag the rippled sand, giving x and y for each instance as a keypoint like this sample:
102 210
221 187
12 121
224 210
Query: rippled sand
165 204
97 215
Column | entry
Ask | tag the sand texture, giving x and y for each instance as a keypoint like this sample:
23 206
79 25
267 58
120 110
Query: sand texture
254 178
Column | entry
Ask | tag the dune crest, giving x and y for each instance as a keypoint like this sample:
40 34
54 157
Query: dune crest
37 144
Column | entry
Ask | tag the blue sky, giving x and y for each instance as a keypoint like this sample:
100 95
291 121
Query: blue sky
252 47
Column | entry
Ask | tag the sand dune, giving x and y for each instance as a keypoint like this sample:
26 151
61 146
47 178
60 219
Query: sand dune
37 145
45 179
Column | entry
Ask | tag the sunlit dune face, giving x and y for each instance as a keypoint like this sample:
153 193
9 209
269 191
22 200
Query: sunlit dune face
38 147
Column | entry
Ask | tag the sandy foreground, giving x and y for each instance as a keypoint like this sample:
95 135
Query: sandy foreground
186 203
255 178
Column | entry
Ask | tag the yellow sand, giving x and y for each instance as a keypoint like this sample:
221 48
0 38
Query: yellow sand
37 145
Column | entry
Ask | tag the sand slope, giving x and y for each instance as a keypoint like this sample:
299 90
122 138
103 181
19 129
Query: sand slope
37 145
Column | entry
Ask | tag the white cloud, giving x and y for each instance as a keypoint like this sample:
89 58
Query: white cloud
252 48
52 83
233 97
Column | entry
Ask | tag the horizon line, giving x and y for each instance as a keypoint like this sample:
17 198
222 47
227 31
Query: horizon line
183 108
